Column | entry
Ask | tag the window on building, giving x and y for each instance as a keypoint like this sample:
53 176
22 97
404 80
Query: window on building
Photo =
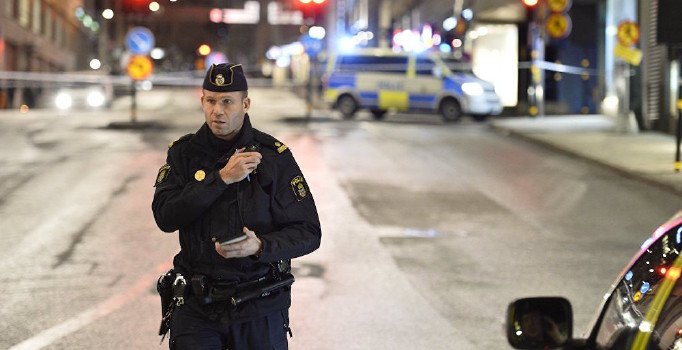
24 12
14 8
47 27
37 10
55 29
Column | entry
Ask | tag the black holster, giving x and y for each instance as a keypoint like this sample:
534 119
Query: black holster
171 289
164 287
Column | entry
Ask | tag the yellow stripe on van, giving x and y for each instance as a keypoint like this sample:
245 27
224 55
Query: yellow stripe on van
330 95
393 99
411 67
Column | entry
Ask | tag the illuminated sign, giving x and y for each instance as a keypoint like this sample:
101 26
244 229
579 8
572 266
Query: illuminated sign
278 16
250 14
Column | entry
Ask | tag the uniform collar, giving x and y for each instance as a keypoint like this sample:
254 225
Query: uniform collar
208 143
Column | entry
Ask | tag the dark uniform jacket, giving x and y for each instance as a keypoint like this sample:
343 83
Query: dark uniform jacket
274 202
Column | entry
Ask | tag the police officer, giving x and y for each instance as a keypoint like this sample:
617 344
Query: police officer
243 209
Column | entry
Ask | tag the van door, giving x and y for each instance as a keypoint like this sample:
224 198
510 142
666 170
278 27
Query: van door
383 85
425 88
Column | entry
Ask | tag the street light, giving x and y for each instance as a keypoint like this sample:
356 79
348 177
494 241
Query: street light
204 49
95 64
108 14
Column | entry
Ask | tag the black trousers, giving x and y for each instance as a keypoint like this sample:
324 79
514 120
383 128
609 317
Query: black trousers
191 330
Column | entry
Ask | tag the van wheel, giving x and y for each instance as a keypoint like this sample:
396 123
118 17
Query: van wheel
450 110
378 114
347 106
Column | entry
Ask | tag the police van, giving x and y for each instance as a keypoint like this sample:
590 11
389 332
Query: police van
382 80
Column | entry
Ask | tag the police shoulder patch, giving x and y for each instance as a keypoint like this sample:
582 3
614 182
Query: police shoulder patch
163 174
299 187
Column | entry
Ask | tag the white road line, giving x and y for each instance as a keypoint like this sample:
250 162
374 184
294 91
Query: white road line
88 316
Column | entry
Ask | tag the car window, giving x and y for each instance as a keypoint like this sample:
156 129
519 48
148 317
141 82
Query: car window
645 307
458 66
388 64
424 66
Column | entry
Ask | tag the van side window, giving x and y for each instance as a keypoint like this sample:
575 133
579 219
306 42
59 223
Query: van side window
383 64
424 66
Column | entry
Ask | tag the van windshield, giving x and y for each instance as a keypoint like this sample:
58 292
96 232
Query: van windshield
457 65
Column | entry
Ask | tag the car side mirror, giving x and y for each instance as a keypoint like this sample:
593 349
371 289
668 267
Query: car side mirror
539 323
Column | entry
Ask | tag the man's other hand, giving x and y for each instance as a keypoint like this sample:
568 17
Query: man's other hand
247 247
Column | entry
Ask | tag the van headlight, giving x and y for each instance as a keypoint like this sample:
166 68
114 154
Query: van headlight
95 98
472 89
63 100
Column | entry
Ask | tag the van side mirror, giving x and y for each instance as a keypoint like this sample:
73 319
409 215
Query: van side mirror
437 71
539 323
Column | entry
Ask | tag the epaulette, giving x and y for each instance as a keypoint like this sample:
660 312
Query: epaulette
184 138
270 142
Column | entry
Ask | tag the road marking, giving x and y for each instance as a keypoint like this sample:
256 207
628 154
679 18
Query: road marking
88 316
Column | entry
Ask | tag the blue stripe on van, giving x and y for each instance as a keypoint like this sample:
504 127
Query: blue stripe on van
369 98
422 100
449 84
341 80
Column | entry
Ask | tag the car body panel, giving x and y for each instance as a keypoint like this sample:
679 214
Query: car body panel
404 82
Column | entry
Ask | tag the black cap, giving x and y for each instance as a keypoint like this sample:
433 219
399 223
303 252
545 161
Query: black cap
225 77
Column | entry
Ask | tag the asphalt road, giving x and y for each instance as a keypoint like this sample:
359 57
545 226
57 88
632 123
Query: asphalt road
429 229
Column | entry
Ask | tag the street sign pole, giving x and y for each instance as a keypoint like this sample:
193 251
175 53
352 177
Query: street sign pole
309 88
133 103
312 47
678 163
139 41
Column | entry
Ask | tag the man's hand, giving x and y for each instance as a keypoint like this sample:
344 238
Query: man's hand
239 166
247 247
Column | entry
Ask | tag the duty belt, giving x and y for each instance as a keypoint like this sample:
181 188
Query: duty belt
210 291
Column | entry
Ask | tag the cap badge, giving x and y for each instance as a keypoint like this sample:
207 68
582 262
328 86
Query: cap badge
219 80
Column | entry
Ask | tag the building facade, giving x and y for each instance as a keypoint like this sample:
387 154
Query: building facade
37 36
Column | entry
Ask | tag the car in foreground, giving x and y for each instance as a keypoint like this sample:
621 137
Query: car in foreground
642 311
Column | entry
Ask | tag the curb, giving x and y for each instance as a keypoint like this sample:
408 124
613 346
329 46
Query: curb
575 155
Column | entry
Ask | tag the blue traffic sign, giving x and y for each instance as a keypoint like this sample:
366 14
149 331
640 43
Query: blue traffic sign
139 40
